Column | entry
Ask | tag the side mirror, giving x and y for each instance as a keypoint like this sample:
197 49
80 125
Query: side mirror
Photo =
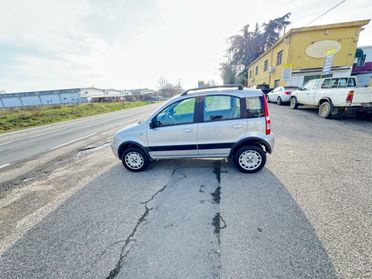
153 123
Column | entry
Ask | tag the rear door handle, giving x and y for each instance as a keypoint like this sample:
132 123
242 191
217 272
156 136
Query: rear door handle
237 126
187 130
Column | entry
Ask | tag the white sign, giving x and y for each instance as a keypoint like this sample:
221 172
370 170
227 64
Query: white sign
287 72
328 61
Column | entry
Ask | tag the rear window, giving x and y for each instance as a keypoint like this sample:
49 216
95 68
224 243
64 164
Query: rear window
254 107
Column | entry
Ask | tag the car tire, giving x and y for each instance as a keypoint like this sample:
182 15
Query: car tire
279 101
293 103
135 159
325 110
249 158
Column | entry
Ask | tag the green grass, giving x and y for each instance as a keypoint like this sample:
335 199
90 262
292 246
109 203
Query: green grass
19 118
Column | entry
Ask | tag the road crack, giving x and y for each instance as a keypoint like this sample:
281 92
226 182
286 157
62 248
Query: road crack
124 251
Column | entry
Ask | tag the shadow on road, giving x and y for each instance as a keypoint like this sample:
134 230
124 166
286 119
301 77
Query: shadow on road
266 234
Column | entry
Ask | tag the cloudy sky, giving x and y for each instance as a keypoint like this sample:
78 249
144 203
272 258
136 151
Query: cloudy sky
50 44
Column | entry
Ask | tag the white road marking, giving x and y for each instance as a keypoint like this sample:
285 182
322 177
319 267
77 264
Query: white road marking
5 165
7 142
72 141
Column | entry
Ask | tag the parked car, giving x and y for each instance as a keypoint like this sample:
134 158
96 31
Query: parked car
281 95
215 122
332 95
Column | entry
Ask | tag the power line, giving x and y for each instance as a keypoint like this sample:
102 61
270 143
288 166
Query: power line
326 12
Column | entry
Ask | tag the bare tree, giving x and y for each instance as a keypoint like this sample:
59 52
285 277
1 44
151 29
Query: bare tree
167 89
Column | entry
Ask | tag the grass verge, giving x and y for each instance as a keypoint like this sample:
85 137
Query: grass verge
20 118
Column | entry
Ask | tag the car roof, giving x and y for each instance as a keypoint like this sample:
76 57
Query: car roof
245 92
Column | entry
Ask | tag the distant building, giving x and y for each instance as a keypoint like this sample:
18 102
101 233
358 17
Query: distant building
141 91
362 67
61 96
299 55
37 98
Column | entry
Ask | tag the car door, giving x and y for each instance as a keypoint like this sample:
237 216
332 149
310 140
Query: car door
173 132
302 95
311 94
220 125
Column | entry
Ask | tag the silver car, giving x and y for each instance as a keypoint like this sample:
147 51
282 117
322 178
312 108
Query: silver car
281 95
216 122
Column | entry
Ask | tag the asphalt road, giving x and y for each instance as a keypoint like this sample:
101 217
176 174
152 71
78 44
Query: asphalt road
30 143
307 214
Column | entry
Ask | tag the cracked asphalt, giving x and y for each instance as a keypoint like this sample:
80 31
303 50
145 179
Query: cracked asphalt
307 214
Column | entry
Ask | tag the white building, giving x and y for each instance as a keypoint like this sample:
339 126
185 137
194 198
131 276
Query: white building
61 96
38 98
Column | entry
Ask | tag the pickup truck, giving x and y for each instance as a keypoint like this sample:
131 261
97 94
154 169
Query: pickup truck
333 95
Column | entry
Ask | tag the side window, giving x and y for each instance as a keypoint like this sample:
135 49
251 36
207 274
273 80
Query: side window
326 83
181 112
342 82
221 108
351 82
254 107
334 83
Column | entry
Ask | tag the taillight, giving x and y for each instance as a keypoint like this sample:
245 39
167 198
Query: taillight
287 92
268 125
349 97
267 118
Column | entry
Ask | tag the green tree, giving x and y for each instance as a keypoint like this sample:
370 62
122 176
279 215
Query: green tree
249 45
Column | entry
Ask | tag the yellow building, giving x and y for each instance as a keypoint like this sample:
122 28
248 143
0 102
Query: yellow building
303 51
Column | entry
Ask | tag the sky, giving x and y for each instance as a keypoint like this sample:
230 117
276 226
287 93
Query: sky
126 44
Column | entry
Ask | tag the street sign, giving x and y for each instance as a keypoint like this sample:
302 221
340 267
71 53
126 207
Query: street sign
287 72
328 61
200 83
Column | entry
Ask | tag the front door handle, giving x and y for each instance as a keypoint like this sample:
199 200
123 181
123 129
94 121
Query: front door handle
237 126
187 130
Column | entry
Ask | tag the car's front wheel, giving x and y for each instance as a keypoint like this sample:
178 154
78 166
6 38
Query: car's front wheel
135 159
250 158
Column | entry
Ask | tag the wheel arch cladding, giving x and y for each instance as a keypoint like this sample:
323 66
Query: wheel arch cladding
325 99
130 144
251 141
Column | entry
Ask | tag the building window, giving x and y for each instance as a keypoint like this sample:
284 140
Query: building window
266 65
277 83
250 73
256 71
279 57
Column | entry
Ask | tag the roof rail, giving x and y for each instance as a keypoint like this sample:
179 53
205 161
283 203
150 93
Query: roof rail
239 86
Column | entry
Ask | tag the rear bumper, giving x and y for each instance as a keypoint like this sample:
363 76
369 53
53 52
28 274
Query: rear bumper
270 140
285 98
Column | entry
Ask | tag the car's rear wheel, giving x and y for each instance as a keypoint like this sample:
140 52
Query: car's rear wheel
279 101
250 158
325 110
135 159
293 103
